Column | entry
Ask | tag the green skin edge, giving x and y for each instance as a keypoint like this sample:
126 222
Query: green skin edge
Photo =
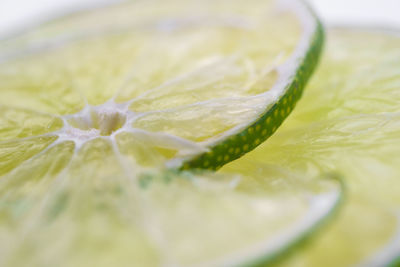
235 146
307 237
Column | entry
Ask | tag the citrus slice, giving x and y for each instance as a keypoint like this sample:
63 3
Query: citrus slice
348 122
202 82
97 108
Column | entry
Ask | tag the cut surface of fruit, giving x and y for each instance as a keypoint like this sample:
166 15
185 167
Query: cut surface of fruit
98 108
205 82
349 122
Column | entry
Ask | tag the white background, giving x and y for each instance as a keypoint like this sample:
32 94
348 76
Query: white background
15 14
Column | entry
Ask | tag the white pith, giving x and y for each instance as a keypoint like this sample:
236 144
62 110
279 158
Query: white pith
80 136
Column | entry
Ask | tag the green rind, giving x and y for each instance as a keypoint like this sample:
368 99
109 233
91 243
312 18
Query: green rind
303 238
237 145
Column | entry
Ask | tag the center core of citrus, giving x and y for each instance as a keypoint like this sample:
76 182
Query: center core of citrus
102 120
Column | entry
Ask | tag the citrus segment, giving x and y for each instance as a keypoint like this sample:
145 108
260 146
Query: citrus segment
13 153
26 85
17 123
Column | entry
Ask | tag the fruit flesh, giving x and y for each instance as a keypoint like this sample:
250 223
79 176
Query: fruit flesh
348 122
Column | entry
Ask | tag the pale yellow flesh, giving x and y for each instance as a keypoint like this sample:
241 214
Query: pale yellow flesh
348 122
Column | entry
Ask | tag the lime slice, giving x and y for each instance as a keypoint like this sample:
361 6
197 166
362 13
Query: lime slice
97 108
202 82
348 122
